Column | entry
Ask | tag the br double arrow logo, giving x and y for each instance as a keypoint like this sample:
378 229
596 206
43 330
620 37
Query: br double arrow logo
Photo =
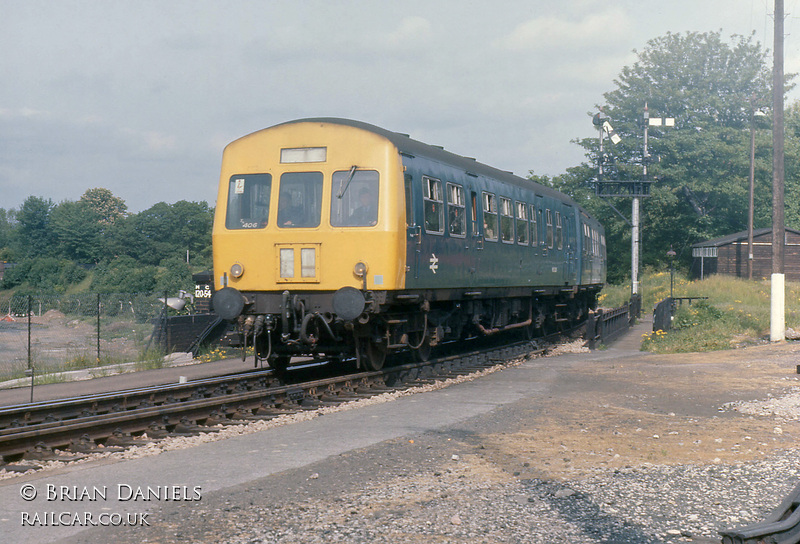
434 263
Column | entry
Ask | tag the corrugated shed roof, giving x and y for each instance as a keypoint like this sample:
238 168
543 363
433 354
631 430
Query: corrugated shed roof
737 237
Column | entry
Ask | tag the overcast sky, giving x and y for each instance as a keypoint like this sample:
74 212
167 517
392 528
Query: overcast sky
141 97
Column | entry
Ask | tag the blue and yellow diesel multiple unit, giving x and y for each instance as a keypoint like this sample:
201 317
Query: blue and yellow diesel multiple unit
340 238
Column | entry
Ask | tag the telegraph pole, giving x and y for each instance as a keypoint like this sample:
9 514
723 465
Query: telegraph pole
777 327
751 207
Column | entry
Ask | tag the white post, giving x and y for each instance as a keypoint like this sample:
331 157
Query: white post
777 326
635 247
777 320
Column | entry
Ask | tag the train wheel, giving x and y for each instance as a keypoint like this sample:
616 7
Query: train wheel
422 352
371 354
529 332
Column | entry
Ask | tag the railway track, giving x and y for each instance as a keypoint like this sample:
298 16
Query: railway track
68 429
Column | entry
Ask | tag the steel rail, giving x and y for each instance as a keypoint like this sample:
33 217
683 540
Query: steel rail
38 412
230 404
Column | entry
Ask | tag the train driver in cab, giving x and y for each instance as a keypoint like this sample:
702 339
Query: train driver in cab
289 214
366 215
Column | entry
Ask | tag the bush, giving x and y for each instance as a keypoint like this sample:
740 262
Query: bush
124 275
692 315
44 274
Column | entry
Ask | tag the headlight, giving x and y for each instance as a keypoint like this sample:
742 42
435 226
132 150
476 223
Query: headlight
287 262
237 270
308 262
360 269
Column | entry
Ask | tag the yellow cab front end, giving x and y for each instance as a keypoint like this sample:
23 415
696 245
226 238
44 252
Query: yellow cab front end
309 234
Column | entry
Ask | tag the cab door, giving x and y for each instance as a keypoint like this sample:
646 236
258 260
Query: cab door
436 253
426 246
413 231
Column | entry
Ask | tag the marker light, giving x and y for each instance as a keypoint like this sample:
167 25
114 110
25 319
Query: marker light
308 262
360 269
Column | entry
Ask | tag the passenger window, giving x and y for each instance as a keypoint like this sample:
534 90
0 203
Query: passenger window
474 213
549 224
522 223
559 232
432 196
248 201
589 248
456 211
586 240
354 198
534 227
300 200
506 220
489 216
595 242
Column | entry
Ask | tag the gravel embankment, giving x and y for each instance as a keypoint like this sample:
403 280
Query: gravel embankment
640 505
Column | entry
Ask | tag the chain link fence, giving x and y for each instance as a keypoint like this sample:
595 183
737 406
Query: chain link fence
59 333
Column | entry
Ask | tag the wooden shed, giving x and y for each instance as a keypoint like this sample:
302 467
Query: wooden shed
728 255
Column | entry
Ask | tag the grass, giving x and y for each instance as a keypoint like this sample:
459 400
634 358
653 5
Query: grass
150 359
736 314
55 372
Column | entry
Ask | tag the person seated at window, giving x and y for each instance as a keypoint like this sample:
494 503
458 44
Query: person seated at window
456 221
488 230
289 215
366 215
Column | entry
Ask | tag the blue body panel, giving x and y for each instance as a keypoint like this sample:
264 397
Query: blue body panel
444 260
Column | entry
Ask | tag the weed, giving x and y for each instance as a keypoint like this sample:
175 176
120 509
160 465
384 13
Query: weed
150 359
48 378
219 353
735 314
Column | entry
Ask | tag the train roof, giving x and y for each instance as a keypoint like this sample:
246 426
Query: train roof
406 144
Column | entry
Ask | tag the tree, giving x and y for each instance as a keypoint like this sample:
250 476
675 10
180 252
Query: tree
77 229
702 164
44 274
7 226
173 275
166 230
124 275
34 235
792 173
105 205
134 253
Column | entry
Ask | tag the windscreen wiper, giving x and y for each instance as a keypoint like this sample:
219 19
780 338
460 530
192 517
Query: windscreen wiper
349 179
